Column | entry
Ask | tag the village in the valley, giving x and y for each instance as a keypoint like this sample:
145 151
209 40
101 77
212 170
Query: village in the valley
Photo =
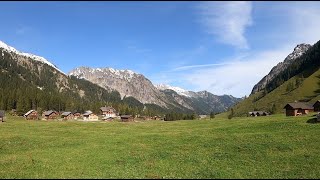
293 109
107 113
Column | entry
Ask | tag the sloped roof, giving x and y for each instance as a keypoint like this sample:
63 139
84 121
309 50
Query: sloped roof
317 102
47 113
299 105
87 113
26 114
65 113
107 108
126 116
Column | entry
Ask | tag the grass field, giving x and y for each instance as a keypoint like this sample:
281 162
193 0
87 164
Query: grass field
262 147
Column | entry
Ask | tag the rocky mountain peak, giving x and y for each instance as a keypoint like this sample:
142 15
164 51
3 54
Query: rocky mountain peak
299 50
83 72
126 82
28 55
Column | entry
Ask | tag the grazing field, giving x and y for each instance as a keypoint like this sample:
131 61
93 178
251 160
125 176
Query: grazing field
261 147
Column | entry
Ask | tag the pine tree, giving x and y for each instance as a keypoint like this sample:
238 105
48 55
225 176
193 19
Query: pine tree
230 116
212 115
273 109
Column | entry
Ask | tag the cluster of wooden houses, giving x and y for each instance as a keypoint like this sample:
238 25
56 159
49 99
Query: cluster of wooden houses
107 113
293 109
258 113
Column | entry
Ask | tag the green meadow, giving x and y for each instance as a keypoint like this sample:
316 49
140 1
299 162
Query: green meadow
247 147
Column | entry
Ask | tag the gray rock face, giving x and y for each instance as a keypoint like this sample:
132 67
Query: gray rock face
129 83
126 82
291 58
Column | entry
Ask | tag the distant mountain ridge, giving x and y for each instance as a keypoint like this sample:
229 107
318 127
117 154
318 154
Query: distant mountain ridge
121 87
129 83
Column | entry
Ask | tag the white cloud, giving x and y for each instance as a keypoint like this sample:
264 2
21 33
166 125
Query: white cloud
199 66
227 21
295 22
236 77
304 22
285 26
22 30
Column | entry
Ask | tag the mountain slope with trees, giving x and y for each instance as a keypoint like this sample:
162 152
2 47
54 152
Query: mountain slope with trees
28 84
300 81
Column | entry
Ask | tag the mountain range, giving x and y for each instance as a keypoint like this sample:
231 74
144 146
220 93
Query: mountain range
125 89
32 82
131 84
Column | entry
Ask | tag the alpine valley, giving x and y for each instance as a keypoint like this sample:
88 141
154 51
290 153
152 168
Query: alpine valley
32 82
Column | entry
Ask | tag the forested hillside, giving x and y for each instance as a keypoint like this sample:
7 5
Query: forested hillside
27 84
299 82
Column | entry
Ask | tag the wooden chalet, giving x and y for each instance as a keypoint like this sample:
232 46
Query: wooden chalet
2 114
108 111
298 108
67 115
90 116
32 114
127 118
316 106
76 114
258 113
50 114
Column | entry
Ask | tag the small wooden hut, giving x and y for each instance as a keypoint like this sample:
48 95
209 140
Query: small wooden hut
127 118
67 115
90 116
77 114
50 114
298 108
32 114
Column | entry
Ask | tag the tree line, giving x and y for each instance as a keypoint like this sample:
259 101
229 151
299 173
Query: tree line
26 84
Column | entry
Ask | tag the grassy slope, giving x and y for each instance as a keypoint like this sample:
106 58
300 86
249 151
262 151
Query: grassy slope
280 97
263 147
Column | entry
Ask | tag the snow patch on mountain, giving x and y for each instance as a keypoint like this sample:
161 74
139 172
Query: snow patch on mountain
298 51
179 90
121 74
28 55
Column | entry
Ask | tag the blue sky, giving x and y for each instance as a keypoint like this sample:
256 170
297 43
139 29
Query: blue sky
222 47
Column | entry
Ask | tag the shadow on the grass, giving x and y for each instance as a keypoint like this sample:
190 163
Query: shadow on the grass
313 121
